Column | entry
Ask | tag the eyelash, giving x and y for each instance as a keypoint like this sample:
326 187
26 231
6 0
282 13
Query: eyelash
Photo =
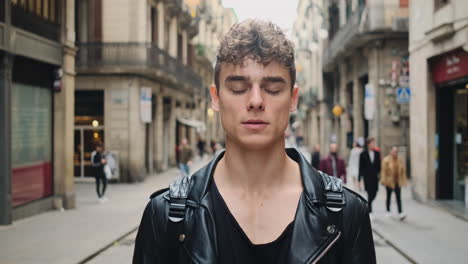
273 92
243 91
238 92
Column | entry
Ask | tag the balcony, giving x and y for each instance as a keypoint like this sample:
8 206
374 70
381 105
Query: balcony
138 58
366 23
27 21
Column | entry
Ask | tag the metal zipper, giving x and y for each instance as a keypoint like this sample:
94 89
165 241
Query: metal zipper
327 249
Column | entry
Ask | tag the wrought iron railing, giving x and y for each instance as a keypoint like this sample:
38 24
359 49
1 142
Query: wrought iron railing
30 22
372 17
343 36
137 56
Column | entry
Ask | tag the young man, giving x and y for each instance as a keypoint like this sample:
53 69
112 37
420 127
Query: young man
255 202
369 168
393 177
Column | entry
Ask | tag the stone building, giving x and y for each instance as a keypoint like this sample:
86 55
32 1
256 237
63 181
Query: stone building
136 90
308 34
439 100
214 21
37 79
365 65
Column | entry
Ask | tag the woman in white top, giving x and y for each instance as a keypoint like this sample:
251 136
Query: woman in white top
353 165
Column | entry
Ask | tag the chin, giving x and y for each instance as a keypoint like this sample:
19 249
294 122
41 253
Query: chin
256 142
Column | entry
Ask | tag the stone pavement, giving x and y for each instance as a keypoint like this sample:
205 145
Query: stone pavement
72 236
427 235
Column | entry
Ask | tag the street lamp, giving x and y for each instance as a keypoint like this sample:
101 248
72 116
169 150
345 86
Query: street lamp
210 113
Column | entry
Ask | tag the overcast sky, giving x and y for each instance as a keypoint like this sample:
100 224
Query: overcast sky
281 12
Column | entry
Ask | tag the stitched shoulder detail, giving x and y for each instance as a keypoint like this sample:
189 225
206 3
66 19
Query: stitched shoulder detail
180 187
331 183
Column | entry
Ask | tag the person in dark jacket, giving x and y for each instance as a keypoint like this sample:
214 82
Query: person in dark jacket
315 157
333 164
369 169
255 202
97 162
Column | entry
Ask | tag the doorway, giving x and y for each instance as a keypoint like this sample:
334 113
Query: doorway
89 129
86 139
452 142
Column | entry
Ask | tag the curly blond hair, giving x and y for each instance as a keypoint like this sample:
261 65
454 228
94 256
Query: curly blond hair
259 40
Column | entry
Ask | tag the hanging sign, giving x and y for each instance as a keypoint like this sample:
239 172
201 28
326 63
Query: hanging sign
145 104
369 102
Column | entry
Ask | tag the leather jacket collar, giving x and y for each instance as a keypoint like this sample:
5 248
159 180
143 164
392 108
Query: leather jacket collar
311 233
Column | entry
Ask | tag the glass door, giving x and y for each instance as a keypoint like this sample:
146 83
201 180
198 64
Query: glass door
86 139
461 142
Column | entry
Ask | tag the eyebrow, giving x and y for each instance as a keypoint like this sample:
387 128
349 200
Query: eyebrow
274 79
232 78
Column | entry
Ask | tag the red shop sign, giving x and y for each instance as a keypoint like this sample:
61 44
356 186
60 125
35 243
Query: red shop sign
449 66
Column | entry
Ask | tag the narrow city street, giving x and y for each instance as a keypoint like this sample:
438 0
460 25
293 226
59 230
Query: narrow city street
105 232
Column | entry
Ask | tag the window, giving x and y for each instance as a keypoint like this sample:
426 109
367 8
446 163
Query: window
440 3
154 25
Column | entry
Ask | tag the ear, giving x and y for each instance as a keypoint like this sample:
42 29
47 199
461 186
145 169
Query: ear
294 98
214 98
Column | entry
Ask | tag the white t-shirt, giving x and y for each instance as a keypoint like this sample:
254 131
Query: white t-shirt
371 155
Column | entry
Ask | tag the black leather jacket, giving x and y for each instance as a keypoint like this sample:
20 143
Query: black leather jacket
314 239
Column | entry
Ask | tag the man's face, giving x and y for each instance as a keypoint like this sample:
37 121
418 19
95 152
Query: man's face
254 102
333 148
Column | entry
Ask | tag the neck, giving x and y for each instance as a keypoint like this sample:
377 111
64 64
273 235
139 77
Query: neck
256 171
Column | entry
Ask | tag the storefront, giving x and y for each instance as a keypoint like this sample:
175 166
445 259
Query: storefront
450 77
31 131
89 129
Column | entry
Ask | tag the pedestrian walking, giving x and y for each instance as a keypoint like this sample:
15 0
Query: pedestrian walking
201 147
185 157
393 177
97 163
315 157
353 165
369 168
333 164
255 202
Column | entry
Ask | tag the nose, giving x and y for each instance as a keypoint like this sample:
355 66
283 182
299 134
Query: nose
255 99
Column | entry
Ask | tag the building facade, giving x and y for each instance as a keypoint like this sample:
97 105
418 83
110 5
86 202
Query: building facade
135 87
214 21
439 100
309 34
37 79
365 65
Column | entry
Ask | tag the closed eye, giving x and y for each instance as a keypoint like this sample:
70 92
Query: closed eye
272 92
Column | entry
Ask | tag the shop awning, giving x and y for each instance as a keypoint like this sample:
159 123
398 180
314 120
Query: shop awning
198 125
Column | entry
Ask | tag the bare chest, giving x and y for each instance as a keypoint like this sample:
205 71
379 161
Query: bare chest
264 220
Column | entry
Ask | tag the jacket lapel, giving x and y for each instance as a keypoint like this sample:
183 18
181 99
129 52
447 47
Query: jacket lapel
309 238
310 235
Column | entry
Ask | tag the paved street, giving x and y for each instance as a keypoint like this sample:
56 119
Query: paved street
74 235
104 233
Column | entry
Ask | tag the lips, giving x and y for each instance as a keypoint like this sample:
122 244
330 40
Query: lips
255 124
